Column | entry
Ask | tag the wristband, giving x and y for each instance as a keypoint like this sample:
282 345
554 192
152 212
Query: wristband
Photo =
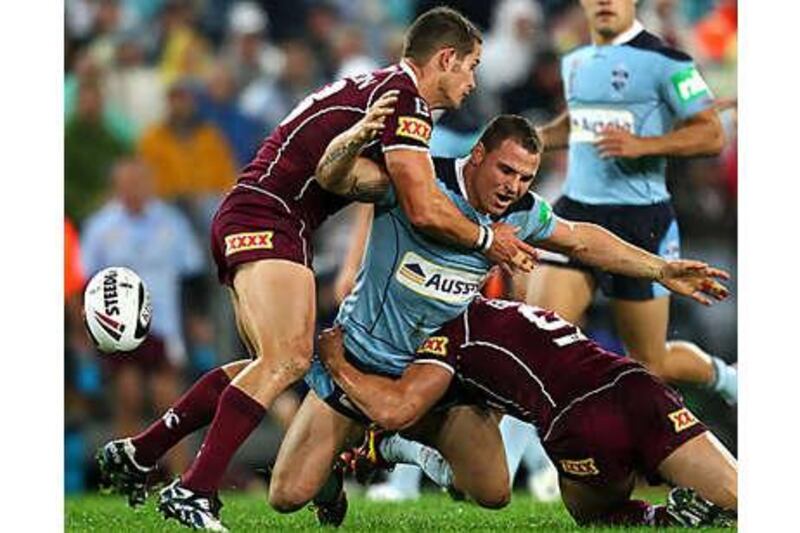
485 238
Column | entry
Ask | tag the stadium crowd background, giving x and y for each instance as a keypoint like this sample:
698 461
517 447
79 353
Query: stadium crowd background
178 94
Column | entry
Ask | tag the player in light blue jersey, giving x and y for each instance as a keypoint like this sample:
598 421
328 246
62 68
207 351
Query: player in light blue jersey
410 284
632 102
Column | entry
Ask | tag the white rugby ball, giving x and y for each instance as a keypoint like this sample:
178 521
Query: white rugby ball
117 310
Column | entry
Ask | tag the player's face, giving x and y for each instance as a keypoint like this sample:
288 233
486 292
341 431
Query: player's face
502 176
458 80
609 18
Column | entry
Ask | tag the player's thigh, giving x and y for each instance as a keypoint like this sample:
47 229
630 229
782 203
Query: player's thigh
587 502
704 464
275 305
317 433
469 439
642 326
567 291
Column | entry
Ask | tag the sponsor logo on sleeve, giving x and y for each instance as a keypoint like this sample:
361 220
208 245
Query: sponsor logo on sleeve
434 346
689 85
579 467
682 419
240 242
438 282
587 122
545 213
414 128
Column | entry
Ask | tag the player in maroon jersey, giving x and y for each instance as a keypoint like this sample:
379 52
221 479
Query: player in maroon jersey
603 418
260 240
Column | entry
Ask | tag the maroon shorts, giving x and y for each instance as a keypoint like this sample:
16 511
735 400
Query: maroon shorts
150 357
252 224
629 427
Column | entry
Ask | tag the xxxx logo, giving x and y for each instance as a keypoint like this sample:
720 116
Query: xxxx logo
682 419
414 128
434 346
581 467
240 242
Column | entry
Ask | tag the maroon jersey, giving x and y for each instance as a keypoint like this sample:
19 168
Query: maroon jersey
522 359
285 163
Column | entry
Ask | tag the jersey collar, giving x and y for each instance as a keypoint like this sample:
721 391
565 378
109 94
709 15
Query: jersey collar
628 35
408 70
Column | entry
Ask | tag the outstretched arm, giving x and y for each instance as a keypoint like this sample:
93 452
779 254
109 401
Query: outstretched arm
391 403
598 247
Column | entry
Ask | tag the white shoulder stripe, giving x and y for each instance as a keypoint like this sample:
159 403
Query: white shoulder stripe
405 147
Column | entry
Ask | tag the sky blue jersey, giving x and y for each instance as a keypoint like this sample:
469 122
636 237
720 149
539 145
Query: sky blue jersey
638 84
409 285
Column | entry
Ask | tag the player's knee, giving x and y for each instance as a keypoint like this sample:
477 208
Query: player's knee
287 497
496 499
289 355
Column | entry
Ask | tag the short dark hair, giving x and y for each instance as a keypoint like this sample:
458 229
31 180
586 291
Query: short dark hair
441 27
513 127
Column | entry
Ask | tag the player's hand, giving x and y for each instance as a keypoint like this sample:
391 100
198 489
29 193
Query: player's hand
331 346
510 252
373 122
617 142
695 279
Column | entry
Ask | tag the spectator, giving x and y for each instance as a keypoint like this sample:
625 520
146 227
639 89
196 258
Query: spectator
190 157
247 50
511 44
217 104
349 54
272 100
135 230
185 52
89 149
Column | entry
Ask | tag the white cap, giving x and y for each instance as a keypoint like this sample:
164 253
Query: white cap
247 18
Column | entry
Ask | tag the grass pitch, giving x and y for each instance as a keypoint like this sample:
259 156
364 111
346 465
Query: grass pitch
249 512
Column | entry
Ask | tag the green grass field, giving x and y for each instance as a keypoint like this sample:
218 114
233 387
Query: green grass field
248 512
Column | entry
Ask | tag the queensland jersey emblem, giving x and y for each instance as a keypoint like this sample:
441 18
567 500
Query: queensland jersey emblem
682 419
436 281
434 346
580 467
240 242
414 128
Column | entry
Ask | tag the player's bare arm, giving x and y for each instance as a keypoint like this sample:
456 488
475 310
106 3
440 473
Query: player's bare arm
598 247
342 171
700 134
555 134
393 404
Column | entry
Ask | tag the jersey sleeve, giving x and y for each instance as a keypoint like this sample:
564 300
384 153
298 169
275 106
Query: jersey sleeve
684 89
410 126
436 350
540 222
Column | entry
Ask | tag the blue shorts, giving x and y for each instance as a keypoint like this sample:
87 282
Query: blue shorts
651 227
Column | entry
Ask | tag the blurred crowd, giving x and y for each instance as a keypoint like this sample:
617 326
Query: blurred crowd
165 100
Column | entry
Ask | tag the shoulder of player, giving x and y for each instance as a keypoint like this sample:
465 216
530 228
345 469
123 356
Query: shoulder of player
650 42
575 53
522 206
445 171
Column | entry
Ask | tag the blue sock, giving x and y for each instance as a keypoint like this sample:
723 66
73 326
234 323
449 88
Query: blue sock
725 380
405 479
516 436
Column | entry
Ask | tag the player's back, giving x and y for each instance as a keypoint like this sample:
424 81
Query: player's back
287 159
524 359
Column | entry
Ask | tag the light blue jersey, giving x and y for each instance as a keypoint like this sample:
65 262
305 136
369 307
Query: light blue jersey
409 285
638 84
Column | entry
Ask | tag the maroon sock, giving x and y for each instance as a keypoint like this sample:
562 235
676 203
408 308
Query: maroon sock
634 513
237 416
194 410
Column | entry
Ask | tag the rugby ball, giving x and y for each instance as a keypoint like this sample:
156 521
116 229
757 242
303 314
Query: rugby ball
117 310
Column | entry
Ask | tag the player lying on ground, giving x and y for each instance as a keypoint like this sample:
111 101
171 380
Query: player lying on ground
603 418
261 245
409 286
